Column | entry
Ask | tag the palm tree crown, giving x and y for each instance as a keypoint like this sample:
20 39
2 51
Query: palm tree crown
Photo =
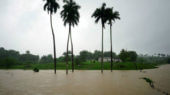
112 16
100 13
70 13
51 6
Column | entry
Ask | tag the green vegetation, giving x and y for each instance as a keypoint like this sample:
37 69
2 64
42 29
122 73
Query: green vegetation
128 55
148 80
36 70
89 65
86 60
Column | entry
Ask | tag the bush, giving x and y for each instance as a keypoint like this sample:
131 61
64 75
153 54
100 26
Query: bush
8 62
128 56
36 70
168 60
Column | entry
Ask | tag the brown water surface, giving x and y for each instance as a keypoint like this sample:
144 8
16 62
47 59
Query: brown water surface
84 82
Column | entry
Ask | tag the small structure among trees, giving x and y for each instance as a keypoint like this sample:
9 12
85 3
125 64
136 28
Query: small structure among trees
108 59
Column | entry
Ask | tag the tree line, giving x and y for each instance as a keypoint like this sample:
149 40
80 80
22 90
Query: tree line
12 57
9 58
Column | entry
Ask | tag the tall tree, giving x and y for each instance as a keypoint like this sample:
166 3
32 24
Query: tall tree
51 7
100 14
111 17
70 15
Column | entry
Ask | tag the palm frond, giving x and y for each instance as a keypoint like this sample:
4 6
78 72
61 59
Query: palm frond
70 13
51 6
100 14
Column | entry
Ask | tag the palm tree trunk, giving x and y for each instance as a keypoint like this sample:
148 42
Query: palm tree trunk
102 53
67 55
72 58
53 43
111 46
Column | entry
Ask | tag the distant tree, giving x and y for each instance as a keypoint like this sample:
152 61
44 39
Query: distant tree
100 14
8 62
132 56
27 52
29 58
9 53
168 60
123 55
85 55
67 57
108 54
78 60
46 59
97 54
128 55
70 15
51 7
61 59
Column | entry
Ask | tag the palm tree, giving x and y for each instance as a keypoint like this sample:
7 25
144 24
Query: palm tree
100 14
51 7
111 16
71 17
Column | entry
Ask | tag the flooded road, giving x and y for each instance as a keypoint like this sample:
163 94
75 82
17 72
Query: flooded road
84 82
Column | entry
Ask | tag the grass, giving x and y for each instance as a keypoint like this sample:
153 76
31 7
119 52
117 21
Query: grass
86 66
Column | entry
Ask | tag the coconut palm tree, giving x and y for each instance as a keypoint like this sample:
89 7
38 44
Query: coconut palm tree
100 14
51 7
111 17
70 15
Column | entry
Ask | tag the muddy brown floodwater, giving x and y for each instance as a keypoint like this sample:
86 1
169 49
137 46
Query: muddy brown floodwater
84 82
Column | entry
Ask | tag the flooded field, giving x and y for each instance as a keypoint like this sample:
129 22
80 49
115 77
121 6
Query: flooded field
87 82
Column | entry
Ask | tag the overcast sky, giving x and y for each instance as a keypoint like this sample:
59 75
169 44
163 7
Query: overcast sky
144 27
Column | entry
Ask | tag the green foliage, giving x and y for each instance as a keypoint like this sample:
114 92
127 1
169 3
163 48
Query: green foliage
11 59
70 13
78 60
108 54
111 16
157 59
97 54
85 55
100 14
36 70
63 58
168 60
8 62
16 56
148 80
123 55
130 56
46 59
51 6
88 65
29 58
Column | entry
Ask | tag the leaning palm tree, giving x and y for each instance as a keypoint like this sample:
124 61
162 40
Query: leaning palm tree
51 7
71 17
100 14
111 17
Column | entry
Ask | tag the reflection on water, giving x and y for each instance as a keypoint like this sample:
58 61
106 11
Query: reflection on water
127 82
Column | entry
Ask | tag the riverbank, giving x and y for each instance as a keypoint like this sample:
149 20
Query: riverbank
87 66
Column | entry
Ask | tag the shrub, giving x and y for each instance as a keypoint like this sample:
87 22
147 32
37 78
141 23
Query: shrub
36 70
